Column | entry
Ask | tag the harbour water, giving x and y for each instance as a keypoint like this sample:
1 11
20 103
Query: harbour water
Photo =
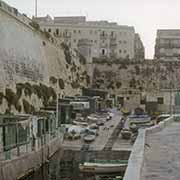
66 167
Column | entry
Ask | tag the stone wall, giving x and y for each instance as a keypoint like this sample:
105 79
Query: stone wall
31 162
31 60
137 80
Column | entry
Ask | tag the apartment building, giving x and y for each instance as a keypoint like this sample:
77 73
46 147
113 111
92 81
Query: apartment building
168 44
93 38
139 48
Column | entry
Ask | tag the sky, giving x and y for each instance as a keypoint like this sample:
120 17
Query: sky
145 15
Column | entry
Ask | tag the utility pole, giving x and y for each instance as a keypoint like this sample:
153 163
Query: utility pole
35 8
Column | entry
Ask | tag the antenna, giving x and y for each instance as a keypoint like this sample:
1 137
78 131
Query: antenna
35 8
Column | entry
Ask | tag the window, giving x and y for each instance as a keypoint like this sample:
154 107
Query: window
127 98
103 52
49 30
74 31
160 100
95 41
125 42
92 41
79 31
57 31
103 33
120 42
120 51
125 51
74 40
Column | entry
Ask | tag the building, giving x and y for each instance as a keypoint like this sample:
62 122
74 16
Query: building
93 38
168 44
139 48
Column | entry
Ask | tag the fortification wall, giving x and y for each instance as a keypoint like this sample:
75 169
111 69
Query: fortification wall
137 81
29 57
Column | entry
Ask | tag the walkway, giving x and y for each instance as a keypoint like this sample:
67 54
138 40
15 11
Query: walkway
162 155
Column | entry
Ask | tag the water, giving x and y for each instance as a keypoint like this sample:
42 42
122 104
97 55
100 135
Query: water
65 167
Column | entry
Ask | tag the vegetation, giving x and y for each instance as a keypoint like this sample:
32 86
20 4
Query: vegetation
28 108
61 83
53 80
66 53
137 69
75 85
118 84
35 25
47 34
28 89
1 97
88 79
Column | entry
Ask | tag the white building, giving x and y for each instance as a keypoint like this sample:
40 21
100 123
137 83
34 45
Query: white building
99 38
168 44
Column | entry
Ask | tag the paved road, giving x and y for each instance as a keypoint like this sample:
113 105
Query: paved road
105 133
162 155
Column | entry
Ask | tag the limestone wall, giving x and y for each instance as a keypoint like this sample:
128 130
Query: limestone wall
27 58
135 81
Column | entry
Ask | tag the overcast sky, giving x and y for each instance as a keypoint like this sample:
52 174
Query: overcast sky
145 15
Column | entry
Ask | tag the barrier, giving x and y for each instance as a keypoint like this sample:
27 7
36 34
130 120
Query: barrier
136 160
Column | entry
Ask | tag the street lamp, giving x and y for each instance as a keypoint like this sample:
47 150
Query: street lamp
35 8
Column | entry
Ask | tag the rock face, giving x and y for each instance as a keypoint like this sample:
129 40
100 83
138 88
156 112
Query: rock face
34 67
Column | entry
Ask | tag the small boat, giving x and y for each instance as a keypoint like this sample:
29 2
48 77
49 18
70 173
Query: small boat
126 134
90 167
80 123
89 138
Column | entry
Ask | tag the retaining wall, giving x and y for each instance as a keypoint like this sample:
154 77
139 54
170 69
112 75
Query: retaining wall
13 169
136 160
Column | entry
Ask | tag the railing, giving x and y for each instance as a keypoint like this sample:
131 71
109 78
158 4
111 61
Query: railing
32 144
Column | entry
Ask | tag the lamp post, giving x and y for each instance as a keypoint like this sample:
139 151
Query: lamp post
35 8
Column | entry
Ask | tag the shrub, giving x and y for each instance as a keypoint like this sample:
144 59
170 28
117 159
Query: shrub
37 90
28 90
75 85
11 97
137 69
1 97
67 53
47 34
19 89
88 79
118 84
61 83
28 108
53 80
35 25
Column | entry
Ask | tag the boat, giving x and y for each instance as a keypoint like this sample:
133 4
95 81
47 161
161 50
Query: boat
126 134
102 167
80 123
89 138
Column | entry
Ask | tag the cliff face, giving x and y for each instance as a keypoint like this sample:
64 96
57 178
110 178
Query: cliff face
34 67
